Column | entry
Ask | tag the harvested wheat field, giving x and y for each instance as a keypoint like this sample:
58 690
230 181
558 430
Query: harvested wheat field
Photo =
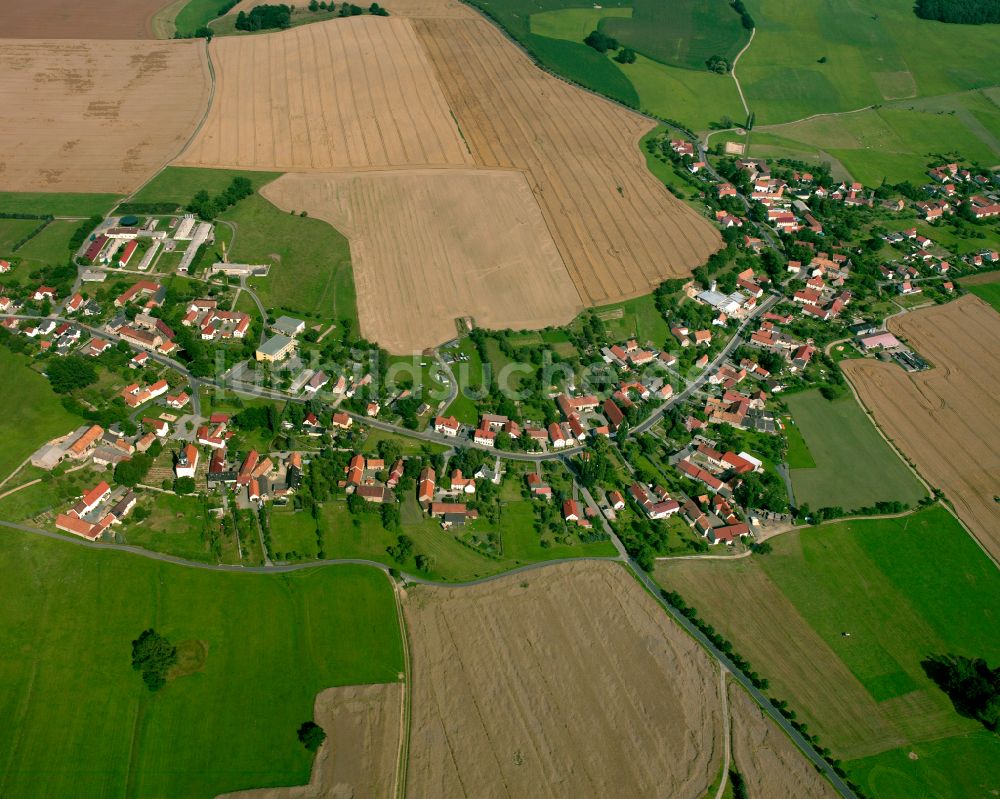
67 19
945 419
360 755
768 760
568 681
619 231
429 246
96 116
348 93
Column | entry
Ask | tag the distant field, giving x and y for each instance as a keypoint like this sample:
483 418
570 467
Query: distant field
49 247
39 415
855 468
683 33
196 14
95 19
272 644
573 24
865 694
89 116
875 52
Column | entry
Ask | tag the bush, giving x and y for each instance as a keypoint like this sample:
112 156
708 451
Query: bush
311 735
600 42
153 655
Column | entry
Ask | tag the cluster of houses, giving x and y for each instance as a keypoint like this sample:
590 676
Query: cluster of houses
96 511
115 242
213 323
441 502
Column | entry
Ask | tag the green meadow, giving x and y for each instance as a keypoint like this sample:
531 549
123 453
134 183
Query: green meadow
855 467
988 292
80 722
39 415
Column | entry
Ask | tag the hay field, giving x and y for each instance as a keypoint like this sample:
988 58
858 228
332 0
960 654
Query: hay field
945 419
768 760
429 246
347 93
619 231
92 19
361 751
568 681
96 116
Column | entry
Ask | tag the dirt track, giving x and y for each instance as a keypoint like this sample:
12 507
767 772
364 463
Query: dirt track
95 116
359 757
569 682
945 419
619 231
428 246
78 19
346 93
767 759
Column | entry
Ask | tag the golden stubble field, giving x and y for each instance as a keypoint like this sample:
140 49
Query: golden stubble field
619 231
429 246
945 419
96 116
360 755
76 19
569 681
348 93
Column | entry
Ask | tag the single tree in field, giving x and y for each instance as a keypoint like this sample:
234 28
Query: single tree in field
311 735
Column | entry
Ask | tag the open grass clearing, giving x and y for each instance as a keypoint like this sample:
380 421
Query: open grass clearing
855 467
798 455
56 203
573 24
988 292
273 642
36 414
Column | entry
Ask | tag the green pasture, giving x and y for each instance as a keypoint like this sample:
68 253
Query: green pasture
855 467
80 722
56 203
988 292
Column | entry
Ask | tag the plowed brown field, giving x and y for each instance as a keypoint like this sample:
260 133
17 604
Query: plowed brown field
945 419
619 231
428 246
355 92
95 116
568 681
766 757
73 19
359 757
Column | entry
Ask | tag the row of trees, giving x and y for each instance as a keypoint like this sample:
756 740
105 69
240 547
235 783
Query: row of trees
965 12
208 207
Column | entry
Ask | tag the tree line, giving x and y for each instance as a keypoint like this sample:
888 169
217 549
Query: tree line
964 12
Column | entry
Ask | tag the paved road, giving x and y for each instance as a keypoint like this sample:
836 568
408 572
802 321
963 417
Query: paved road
699 381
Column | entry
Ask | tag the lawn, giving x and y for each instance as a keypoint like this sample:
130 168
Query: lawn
682 33
855 467
49 247
988 292
176 525
902 589
39 414
310 261
638 318
293 534
272 643
469 375
573 24
37 202
12 231
798 455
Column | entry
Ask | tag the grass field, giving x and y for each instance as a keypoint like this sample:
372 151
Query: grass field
12 231
637 319
683 33
310 261
855 468
49 247
573 24
798 455
469 375
866 694
989 292
61 204
176 526
272 643
178 184
39 414
196 14
875 52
